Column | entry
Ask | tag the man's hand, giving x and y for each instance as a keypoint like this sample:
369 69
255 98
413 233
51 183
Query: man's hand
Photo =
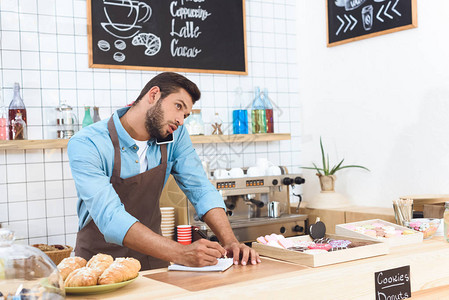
243 253
200 253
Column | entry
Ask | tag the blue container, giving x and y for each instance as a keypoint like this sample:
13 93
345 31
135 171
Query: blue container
240 121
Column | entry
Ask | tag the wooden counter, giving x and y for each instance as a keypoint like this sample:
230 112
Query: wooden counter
428 261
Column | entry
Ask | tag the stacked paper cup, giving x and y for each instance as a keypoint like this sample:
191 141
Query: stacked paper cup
168 222
184 234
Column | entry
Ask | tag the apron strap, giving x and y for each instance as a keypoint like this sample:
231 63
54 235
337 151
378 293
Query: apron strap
163 153
114 138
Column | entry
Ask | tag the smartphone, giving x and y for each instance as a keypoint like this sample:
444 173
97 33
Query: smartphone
167 140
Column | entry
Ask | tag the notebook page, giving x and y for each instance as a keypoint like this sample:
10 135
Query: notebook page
222 265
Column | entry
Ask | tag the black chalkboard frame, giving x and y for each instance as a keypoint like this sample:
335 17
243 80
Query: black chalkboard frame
414 24
162 69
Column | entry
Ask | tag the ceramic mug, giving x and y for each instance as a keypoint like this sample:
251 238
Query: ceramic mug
236 172
221 174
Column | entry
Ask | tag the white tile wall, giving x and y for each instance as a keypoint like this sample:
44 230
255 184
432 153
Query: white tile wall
44 48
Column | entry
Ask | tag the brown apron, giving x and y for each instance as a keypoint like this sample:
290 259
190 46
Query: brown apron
140 195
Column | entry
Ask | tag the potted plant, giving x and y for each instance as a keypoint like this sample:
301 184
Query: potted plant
326 173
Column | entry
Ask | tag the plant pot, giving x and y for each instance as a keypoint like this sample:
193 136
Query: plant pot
327 182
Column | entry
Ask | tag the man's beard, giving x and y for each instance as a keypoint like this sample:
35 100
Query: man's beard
153 121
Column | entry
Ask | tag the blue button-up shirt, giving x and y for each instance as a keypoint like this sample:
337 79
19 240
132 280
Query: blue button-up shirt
91 156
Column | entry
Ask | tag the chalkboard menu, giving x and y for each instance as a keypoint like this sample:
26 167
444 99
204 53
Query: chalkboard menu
182 35
393 283
351 20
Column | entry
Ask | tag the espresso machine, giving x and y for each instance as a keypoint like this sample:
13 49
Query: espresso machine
255 206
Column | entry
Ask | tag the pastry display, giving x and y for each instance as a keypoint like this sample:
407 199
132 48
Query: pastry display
70 264
100 262
378 230
84 276
101 269
122 269
322 245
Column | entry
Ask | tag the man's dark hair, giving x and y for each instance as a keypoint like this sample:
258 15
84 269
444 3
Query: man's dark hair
170 82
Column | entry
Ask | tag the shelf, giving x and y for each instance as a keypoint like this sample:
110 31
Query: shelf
239 138
196 139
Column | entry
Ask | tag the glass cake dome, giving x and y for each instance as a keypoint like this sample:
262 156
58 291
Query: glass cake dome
26 272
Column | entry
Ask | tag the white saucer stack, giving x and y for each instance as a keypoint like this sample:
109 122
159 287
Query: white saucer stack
168 222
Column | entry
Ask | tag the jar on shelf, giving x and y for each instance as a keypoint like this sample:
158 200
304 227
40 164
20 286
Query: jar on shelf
66 121
87 120
4 128
216 124
16 106
194 123
96 116
19 128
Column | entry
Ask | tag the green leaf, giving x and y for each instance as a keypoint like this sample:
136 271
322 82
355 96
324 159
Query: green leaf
318 169
323 156
336 168
353 166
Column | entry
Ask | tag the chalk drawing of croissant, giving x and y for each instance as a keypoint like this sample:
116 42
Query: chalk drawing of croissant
151 41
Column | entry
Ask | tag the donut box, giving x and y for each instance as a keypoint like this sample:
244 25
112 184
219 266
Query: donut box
380 230
368 248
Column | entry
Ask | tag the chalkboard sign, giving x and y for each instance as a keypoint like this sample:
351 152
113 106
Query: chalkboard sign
352 20
182 35
393 284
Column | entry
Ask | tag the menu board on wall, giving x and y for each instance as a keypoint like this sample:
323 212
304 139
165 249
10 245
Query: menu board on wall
352 20
183 35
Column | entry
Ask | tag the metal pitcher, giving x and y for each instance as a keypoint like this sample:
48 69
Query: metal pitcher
274 209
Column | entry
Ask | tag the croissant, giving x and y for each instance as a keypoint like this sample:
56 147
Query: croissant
100 262
121 269
69 264
82 277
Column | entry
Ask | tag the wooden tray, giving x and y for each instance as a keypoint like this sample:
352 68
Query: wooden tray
375 248
417 237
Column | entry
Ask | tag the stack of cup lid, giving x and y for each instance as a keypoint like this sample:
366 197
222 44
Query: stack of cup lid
184 234
168 222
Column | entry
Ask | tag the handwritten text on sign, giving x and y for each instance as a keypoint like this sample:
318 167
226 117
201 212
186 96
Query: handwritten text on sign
187 30
393 284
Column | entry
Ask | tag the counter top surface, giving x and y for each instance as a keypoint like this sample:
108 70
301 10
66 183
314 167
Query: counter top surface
429 268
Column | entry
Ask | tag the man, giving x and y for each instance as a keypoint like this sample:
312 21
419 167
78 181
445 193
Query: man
120 166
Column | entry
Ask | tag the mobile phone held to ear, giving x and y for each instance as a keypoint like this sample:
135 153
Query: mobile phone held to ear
167 140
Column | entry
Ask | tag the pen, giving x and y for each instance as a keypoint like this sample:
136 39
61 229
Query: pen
201 234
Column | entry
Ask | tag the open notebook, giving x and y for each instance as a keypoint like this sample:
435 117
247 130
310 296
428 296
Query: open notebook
222 265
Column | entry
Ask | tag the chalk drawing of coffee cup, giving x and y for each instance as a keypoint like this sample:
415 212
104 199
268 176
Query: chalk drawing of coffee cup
125 17
367 17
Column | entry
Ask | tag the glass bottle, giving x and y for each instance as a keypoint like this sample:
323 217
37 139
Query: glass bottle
446 221
87 118
194 123
19 128
239 114
268 111
16 106
4 133
258 118
216 124
96 116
